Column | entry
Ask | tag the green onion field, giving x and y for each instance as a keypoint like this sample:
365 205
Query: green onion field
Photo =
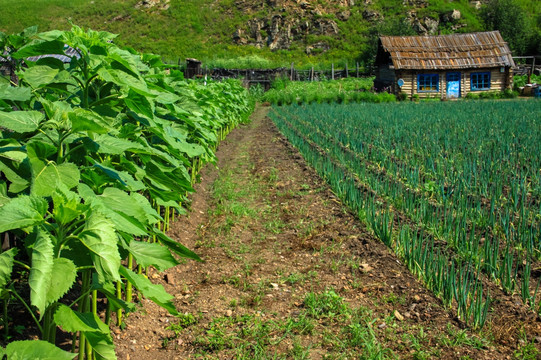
454 189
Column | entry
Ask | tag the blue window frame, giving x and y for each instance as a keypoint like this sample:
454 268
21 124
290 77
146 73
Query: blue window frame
428 82
480 81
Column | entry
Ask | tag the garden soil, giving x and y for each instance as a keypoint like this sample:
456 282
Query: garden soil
270 233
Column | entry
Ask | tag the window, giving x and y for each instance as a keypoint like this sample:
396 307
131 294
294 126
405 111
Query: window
480 81
428 82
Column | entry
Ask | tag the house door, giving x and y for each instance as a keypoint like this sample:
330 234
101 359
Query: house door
453 85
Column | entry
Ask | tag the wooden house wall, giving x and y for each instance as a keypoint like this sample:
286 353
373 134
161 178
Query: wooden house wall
385 73
499 81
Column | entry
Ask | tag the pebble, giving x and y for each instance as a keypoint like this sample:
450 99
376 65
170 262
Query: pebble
169 279
229 313
417 298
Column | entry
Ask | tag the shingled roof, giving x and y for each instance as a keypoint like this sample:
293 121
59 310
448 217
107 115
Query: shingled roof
457 51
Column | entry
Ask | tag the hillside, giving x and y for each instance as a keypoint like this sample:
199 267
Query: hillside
269 32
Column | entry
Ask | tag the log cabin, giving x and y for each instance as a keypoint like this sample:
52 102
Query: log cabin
443 66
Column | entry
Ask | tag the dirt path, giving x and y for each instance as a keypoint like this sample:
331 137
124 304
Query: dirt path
288 273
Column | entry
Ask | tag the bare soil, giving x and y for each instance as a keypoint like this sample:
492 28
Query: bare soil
272 234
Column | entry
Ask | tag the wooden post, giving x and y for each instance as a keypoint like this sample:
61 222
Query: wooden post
332 71
347 71
291 75
357 68
312 74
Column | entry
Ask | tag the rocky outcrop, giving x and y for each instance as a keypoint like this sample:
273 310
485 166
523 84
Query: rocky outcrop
423 26
278 24
148 4
287 21
316 48
372 15
415 3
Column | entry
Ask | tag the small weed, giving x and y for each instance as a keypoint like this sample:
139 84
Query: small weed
457 337
232 255
275 226
231 280
528 350
394 299
299 352
273 175
328 304
184 320
301 325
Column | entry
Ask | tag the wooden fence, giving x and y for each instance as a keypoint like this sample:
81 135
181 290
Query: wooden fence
265 77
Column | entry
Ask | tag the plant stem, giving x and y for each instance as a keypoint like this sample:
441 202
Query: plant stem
21 264
40 328
129 286
83 307
119 296
6 321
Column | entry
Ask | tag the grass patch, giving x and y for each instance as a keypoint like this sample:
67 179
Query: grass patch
346 332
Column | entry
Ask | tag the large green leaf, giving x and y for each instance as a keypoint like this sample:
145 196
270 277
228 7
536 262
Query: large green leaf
124 79
85 120
16 174
40 150
128 60
115 146
6 266
165 180
177 139
41 270
22 212
12 150
148 211
139 104
40 48
63 275
74 321
175 246
122 176
100 238
21 121
8 92
113 211
152 254
102 345
36 350
121 201
39 75
149 290
51 35
46 178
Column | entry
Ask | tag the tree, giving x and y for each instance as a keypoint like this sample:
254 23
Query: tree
398 26
510 19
